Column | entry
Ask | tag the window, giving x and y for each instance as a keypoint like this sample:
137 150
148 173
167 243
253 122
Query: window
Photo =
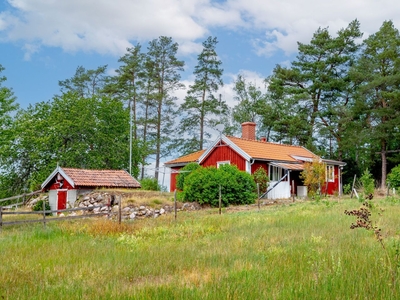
276 173
225 162
330 173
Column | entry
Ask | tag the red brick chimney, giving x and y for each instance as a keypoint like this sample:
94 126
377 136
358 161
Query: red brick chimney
249 130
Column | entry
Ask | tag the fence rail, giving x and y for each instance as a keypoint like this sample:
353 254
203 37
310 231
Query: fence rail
20 196
45 219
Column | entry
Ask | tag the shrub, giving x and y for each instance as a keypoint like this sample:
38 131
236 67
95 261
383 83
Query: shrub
314 175
367 183
347 188
150 184
202 186
394 177
39 206
186 170
260 176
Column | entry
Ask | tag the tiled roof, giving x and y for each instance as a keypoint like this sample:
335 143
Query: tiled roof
192 157
101 178
270 151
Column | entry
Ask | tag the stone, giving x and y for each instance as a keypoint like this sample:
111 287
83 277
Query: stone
132 216
162 211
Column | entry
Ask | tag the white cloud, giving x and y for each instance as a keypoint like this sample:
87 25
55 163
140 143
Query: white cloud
105 26
286 22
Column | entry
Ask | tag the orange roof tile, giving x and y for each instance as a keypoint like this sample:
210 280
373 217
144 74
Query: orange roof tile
192 157
101 178
271 151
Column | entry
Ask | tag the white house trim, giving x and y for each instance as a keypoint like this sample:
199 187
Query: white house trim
61 171
229 143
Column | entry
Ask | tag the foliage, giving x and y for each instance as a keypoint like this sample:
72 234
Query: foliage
39 206
363 216
185 171
70 131
347 188
314 176
394 177
202 186
377 75
367 183
313 93
150 184
261 178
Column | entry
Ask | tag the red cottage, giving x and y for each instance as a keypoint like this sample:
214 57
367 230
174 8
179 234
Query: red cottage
66 184
283 163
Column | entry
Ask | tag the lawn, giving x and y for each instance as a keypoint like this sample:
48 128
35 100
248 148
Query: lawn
304 250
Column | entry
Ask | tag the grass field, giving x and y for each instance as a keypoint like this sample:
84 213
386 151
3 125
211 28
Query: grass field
298 251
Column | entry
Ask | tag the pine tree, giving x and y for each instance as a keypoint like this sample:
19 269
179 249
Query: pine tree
164 81
377 73
202 107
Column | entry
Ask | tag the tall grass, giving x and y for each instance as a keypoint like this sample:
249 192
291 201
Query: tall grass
302 251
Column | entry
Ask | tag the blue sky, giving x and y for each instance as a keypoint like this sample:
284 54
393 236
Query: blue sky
42 41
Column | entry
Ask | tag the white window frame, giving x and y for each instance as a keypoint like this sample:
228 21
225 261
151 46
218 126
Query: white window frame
330 173
276 173
224 162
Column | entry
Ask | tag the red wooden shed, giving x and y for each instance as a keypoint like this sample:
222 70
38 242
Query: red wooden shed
66 184
283 163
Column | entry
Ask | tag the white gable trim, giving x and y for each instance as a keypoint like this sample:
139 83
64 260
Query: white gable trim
228 142
54 173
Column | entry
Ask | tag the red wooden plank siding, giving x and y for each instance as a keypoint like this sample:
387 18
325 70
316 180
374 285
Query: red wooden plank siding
258 164
333 187
224 153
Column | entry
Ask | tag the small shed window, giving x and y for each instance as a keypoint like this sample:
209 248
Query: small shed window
225 162
276 173
330 173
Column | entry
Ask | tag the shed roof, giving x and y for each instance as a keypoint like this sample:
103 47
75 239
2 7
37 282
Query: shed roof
95 178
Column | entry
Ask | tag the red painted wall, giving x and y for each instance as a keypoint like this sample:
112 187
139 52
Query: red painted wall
55 186
258 164
331 188
224 153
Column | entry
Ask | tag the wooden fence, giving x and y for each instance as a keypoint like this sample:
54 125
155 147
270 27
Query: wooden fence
46 218
24 197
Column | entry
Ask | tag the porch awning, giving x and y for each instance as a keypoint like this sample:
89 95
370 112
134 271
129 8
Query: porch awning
287 166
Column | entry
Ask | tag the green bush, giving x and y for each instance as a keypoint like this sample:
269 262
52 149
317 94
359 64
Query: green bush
347 189
39 206
186 170
394 177
368 183
202 186
260 176
150 184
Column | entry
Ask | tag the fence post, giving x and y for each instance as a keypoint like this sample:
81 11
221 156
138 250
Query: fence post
44 213
220 200
119 209
258 195
175 203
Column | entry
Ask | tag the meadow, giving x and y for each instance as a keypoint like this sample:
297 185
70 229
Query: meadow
301 250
